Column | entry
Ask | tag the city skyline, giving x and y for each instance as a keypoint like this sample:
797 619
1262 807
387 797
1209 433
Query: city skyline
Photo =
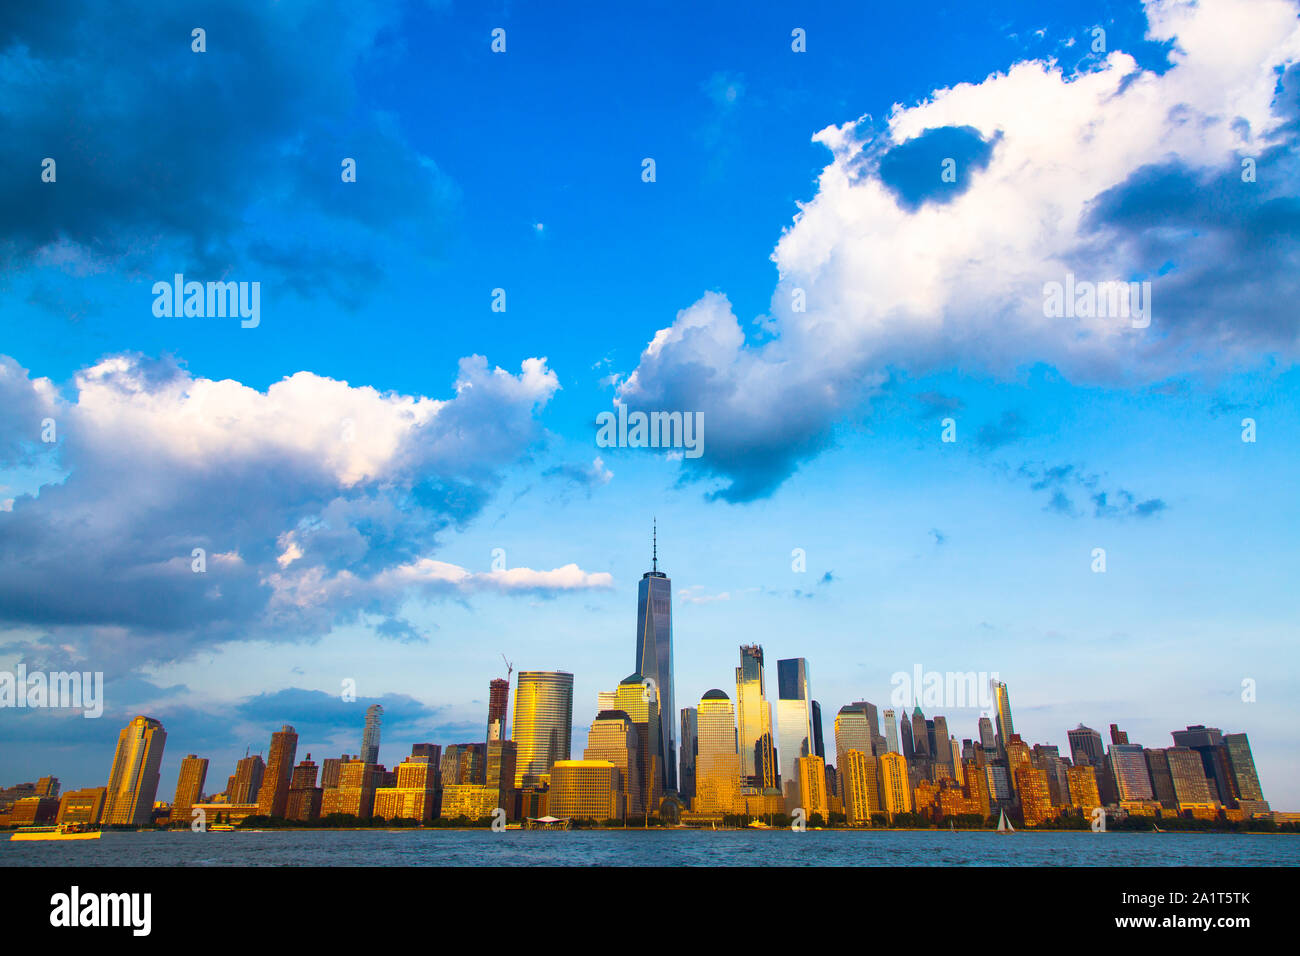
868 262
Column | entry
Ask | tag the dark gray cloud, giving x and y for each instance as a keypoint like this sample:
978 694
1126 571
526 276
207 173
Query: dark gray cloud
216 162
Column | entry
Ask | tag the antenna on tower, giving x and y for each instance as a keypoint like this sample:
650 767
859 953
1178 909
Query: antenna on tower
654 564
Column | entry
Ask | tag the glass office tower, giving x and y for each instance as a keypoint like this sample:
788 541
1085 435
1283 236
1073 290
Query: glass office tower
754 717
543 723
654 660
1005 727
370 736
794 726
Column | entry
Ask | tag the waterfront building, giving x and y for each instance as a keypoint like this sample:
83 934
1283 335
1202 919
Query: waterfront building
543 725
654 660
273 797
754 722
586 790
189 787
133 778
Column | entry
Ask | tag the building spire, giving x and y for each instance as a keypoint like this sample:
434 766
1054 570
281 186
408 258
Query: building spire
654 564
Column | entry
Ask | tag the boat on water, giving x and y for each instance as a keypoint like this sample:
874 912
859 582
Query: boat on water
221 826
1004 825
758 825
64 831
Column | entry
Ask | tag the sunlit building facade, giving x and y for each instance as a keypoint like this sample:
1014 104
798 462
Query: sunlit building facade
794 719
133 779
717 765
754 722
654 660
892 782
189 787
813 798
543 723
586 790
273 797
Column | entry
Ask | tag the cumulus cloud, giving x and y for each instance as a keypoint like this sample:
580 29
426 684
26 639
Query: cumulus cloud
305 505
1112 172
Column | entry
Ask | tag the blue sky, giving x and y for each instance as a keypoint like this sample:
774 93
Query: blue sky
371 558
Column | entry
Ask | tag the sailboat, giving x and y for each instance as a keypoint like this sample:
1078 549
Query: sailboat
1004 825
952 827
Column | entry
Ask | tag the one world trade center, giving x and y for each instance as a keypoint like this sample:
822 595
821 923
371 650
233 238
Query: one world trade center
654 657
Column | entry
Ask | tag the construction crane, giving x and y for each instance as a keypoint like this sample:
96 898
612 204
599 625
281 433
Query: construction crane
510 668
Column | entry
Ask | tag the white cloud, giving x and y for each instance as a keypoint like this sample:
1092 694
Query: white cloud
960 280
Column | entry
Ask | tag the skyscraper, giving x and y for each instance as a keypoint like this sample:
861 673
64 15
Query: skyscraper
614 737
133 779
654 659
920 734
1005 725
987 741
690 747
1250 794
634 698
852 732
247 780
1085 746
819 745
370 736
754 719
273 799
543 723
1208 742
498 697
891 731
795 736
717 764
189 787
1129 766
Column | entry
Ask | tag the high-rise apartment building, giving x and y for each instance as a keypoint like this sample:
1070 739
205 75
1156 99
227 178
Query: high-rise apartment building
654 661
893 784
1241 762
861 790
812 785
248 780
543 723
189 787
133 779
1006 727
273 798
1187 774
1128 765
370 734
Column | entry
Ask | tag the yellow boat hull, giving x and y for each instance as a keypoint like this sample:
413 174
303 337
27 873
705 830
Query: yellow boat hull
92 835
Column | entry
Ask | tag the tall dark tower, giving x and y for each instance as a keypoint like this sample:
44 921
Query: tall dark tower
498 694
654 657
